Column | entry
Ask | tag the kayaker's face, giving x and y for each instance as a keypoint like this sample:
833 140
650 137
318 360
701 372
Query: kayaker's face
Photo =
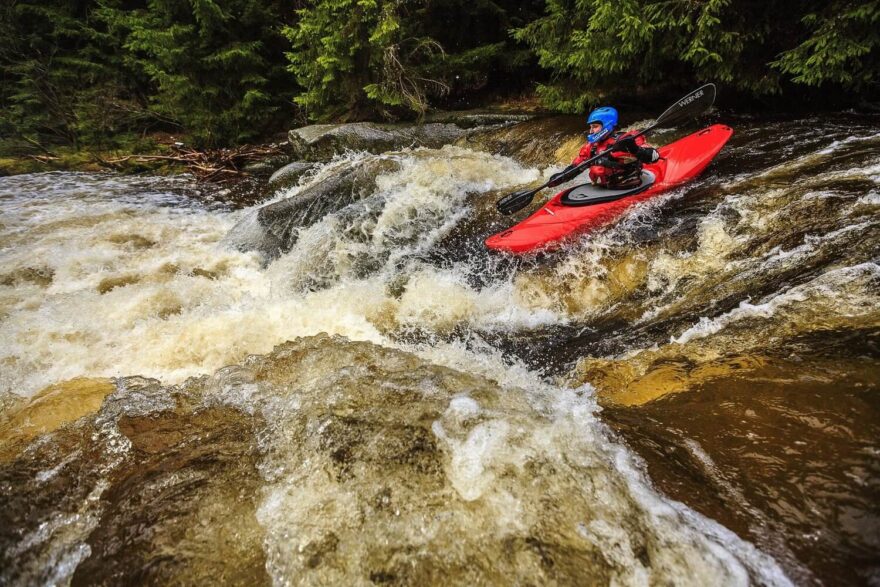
595 127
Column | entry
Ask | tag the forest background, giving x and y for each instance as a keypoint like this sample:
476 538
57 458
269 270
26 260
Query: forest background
117 74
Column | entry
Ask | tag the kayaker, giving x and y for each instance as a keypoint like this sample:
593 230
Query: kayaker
622 167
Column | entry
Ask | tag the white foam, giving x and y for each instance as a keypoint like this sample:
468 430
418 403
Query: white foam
166 319
828 285
177 301
872 198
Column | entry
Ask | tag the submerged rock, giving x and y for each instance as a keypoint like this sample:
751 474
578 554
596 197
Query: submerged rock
320 142
153 488
472 119
337 462
49 409
533 141
743 445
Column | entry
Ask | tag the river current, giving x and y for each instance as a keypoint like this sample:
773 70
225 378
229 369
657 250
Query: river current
350 389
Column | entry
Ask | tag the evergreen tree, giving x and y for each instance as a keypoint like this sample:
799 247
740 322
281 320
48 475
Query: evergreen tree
348 54
599 47
479 53
61 72
359 58
88 72
216 67
843 47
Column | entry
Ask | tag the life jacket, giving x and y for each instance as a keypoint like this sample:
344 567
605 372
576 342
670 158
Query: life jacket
619 168
621 157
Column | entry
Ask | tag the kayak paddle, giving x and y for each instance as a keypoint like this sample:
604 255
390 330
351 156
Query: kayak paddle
694 103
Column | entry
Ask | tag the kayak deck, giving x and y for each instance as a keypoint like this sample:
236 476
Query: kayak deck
589 194
680 161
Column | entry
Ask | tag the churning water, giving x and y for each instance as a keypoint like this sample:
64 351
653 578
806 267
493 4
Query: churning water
342 386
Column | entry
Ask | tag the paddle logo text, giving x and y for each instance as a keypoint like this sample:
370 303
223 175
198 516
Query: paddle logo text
685 101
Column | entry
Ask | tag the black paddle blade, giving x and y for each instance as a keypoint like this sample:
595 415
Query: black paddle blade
516 201
694 103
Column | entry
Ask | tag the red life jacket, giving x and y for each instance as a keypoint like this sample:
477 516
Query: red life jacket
593 149
621 162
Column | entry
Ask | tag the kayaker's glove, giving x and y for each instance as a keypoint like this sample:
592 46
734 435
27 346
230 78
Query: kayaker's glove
627 144
561 177
605 161
648 155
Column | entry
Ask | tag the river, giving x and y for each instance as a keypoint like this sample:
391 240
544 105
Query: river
358 392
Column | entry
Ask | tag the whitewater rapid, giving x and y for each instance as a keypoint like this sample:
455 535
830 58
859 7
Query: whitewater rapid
106 278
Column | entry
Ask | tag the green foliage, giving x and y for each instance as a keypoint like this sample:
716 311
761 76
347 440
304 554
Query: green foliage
479 53
601 48
60 83
595 45
843 47
214 65
92 71
362 58
352 56
101 73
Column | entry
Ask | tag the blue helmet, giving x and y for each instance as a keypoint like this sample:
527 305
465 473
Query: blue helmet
608 117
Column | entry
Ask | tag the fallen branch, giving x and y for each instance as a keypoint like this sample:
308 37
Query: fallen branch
207 165
43 158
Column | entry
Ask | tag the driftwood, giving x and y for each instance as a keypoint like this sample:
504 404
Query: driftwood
43 158
208 165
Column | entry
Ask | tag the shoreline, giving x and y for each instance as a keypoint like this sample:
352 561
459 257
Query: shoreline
168 154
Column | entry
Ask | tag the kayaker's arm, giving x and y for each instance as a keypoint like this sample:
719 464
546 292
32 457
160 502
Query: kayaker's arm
577 167
648 155
636 146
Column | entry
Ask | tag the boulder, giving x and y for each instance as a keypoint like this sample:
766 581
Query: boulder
319 142
273 228
288 175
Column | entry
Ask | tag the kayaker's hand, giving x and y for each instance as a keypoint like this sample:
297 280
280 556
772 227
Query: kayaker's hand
627 144
648 155
561 177
604 161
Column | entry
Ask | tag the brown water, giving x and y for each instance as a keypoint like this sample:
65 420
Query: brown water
785 453
686 396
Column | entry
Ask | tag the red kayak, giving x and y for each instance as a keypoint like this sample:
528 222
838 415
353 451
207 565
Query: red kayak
582 208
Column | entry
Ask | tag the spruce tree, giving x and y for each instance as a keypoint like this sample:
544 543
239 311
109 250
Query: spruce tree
215 67
842 47
352 59
359 59
596 49
62 75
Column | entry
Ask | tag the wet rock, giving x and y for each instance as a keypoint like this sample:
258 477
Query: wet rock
153 488
277 223
534 141
48 410
319 142
264 167
287 176
746 448
477 119
186 511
